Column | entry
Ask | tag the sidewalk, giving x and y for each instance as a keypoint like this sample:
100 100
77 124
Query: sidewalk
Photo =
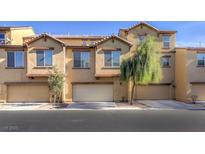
137 105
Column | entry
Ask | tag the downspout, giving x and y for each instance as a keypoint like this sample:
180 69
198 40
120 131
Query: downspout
64 72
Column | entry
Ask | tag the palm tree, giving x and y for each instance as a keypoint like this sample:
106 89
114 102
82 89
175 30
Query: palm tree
143 67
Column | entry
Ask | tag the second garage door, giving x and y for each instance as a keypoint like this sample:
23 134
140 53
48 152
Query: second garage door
199 90
92 92
28 93
153 92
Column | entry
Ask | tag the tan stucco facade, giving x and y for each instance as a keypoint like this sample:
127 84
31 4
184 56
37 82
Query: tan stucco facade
180 80
88 76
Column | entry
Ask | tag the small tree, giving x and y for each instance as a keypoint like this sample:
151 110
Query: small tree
55 83
143 67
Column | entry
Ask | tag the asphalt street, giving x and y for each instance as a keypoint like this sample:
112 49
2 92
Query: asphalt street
103 121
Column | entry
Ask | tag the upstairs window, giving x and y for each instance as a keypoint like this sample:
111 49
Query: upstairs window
201 59
81 59
2 38
111 58
141 38
84 43
44 58
15 59
166 41
92 43
166 61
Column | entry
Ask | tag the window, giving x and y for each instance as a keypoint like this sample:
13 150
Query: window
166 41
201 59
44 58
165 61
15 59
2 38
141 38
111 58
92 43
81 59
84 43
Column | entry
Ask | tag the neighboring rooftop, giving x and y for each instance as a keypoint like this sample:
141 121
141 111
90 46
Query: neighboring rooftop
14 27
150 26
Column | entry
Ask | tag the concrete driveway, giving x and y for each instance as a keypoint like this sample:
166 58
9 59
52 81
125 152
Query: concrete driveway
171 104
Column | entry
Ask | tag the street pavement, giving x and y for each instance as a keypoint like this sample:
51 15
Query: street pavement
102 121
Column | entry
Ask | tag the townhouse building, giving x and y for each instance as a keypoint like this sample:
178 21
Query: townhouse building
91 65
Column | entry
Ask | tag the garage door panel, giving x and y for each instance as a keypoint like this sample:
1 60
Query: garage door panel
92 92
28 93
152 92
199 90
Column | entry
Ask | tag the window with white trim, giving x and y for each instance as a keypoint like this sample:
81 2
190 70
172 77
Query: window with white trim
166 61
112 58
84 43
44 58
166 41
2 38
141 38
15 59
200 59
81 59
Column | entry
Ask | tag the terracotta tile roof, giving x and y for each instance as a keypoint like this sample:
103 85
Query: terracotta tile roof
79 46
110 37
43 35
12 47
150 26
78 36
71 36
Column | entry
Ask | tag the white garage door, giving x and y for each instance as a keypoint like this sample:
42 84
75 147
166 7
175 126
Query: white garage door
92 92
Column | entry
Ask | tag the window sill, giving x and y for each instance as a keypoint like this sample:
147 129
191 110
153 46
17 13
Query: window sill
110 67
166 66
14 67
201 66
43 67
87 68
166 48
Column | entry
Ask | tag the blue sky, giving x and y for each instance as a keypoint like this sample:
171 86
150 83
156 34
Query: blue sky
187 32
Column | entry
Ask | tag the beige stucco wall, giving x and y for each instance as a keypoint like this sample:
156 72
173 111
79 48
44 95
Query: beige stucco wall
195 73
96 67
10 75
18 34
133 34
109 44
58 56
181 78
168 74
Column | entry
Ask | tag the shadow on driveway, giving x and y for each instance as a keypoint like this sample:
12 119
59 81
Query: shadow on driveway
91 105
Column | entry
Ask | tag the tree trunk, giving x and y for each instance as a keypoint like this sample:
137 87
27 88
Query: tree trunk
54 99
132 94
59 98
